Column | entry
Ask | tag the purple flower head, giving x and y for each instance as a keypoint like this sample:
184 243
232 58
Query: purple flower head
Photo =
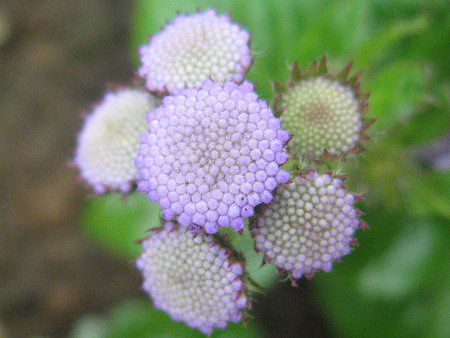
109 140
192 278
310 224
211 155
194 48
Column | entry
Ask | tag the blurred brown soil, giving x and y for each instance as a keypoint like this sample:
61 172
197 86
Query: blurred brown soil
55 58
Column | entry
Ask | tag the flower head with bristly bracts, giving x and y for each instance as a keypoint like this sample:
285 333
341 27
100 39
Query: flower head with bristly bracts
192 49
109 140
324 113
193 278
211 155
310 224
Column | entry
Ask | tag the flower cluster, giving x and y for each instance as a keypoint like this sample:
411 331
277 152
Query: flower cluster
211 155
193 278
192 49
310 224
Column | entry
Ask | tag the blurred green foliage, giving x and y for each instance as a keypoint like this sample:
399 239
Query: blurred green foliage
119 222
397 282
138 318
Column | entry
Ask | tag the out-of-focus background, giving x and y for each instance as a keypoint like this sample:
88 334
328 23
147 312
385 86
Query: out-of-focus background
67 258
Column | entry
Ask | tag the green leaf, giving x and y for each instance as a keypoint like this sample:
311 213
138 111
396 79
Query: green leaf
395 90
393 284
379 46
399 271
263 274
138 319
430 119
117 221
430 194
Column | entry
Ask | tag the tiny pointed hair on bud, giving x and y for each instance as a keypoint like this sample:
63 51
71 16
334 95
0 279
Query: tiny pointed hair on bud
193 278
309 225
211 155
109 140
193 48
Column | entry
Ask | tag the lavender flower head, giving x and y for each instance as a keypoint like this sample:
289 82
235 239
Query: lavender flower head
309 225
192 278
211 155
109 140
194 48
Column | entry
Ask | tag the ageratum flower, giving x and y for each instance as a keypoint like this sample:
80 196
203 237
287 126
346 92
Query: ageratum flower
310 224
324 113
211 155
194 48
193 278
109 140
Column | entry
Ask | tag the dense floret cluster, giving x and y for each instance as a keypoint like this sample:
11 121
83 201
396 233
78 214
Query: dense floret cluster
325 115
192 278
109 140
211 155
194 48
310 224
324 111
